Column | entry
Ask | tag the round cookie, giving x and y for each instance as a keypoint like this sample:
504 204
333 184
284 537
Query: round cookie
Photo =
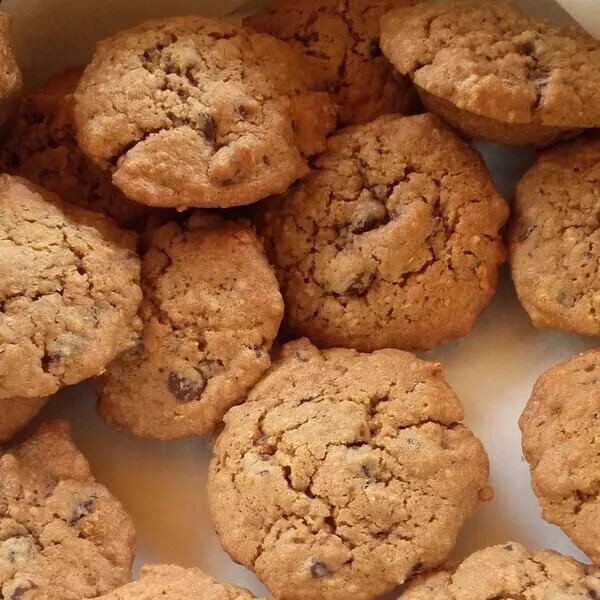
11 81
510 571
69 291
554 238
211 311
493 72
342 40
561 442
344 474
16 414
169 582
391 241
62 535
40 146
193 112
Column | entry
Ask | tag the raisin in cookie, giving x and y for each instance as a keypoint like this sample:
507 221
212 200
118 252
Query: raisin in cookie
494 72
16 414
561 442
343 474
62 535
69 291
211 310
193 112
391 241
11 81
169 582
554 238
510 571
342 40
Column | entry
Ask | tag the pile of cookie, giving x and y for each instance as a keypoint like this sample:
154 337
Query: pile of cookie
165 209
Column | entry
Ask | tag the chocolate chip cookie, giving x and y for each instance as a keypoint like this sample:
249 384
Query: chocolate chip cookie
392 240
17 413
69 291
493 72
11 81
342 40
211 310
510 571
193 112
344 474
561 442
554 238
62 535
169 582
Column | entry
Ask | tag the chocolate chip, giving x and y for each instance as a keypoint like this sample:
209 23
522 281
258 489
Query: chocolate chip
360 284
319 569
509 547
301 358
210 129
50 359
185 390
527 48
593 595
21 590
526 233
81 509
366 470
374 49
242 111
368 216
565 299
415 570
589 368
257 352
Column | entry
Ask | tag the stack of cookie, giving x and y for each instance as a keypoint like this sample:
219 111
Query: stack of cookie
343 469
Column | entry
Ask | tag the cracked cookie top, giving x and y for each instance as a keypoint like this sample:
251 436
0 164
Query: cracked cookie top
342 40
69 291
509 571
11 80
343 474
487 57
211 311
62 535
554 238
17 413
561 442
193 112
169 582
392 239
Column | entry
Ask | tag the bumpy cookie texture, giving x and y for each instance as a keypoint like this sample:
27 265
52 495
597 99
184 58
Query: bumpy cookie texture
17 413
561 442
193 112
62 535
391 241
11 81
343 474
211 311
169 582
493 71
342 41
554 238
510 571
69 291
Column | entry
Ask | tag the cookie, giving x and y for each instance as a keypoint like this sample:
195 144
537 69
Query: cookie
40 146
62 535
554 238
69 291
561 442
169 582
392 240
193 112
510 571
211 311
344 474
16 414
11 81
493 72
342 40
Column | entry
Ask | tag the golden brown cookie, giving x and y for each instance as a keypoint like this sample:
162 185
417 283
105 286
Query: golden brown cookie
62 535
493 72
11 81
554 238
193 112
509 571
69 291
342 40
343 474
211 311
16 414
392 240
561 442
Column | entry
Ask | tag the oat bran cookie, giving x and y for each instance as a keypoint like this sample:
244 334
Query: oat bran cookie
561 442
193 112
62 535
169 582
510 571
493 72
69 291
554 238
16 414
342 40
344 474
211 311
392 239
11 80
